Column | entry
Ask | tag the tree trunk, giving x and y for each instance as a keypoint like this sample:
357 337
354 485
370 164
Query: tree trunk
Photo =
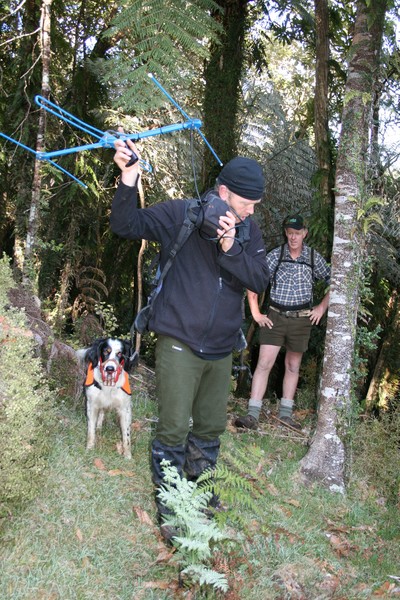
34 216
321 123
222 93
325 460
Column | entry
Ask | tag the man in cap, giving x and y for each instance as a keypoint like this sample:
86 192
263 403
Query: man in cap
198 313
294 267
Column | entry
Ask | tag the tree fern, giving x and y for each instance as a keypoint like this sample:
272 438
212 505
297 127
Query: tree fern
160 37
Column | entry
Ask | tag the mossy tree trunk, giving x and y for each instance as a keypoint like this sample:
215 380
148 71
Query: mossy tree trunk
326 459
321 116
34 212
222 93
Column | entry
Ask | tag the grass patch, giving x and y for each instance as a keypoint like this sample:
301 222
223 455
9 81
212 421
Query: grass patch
91 533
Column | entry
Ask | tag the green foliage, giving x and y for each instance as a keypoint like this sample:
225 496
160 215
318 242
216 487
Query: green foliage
161 38
197 533
367 216
366 337
234 483
376 454
26 406
107 317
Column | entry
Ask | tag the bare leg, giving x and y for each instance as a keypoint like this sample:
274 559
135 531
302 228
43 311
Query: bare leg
290 381
291 377
266 361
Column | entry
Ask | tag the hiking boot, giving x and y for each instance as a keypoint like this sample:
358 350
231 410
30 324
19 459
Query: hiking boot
168 533
289 422
247 422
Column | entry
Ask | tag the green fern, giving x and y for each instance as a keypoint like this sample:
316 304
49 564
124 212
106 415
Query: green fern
197 533
158 37
206 577
236 484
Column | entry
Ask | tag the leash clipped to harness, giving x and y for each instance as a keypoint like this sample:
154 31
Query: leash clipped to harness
106 139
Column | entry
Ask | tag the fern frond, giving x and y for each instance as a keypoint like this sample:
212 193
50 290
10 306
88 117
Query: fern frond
207 577
196 533
158 37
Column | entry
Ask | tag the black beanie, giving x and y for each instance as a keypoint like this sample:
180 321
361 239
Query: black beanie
244 177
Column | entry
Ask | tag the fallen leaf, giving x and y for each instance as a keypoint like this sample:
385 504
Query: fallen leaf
159 585
342 547
98 463
164 556
293 502
329 583
260 466
272 489
79 534
334 527
368 528
286 511
137 425
385 589
115 472
143 516
85 562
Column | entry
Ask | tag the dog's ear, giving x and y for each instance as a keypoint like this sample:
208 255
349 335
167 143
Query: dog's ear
131 358
94 352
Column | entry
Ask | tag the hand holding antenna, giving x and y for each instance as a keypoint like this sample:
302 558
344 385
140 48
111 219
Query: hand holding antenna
127 158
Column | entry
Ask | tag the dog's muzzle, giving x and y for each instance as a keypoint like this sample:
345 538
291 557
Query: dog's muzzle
110 372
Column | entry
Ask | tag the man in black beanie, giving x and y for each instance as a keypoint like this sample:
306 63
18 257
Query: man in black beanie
197 315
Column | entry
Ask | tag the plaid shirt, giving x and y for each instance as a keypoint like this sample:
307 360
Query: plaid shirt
292 285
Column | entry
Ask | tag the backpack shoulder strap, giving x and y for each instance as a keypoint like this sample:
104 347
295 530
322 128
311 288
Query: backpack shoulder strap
312 259
184 233
273 278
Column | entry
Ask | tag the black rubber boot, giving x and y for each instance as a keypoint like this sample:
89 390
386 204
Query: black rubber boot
176 456
199 456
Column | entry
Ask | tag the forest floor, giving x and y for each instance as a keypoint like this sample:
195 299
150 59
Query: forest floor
92 534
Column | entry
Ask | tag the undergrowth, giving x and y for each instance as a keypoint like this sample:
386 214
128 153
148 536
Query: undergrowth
27 419
377 455
82 525
92 532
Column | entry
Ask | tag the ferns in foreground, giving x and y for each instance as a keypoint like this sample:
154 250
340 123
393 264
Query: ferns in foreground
236 488
197 533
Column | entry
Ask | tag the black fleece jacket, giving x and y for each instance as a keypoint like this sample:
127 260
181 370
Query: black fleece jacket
200 303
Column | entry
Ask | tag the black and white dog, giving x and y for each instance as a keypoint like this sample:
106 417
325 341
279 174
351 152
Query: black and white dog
107 387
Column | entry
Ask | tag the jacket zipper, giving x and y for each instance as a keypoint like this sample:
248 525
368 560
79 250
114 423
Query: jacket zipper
212 315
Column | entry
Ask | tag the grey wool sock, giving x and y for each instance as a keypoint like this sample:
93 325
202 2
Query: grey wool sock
285 408
254 408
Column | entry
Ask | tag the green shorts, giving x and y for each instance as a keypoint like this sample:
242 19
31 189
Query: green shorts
291 332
